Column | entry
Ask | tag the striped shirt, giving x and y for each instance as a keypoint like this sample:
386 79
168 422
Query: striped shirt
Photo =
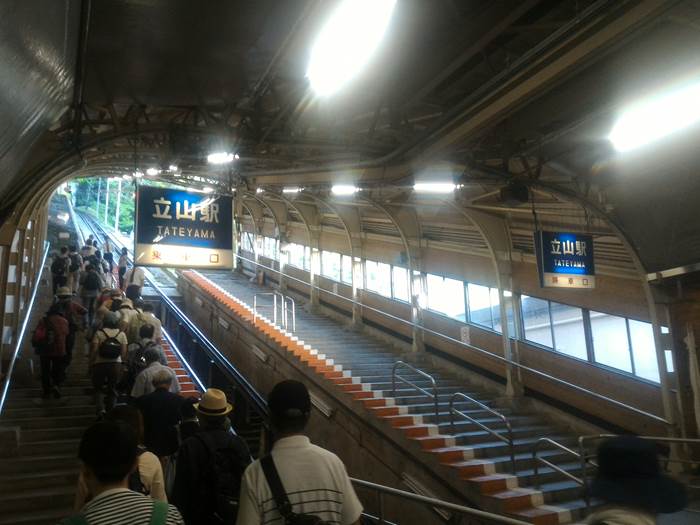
124 507
314 479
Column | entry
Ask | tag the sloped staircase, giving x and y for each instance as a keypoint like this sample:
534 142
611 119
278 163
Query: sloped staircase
361 366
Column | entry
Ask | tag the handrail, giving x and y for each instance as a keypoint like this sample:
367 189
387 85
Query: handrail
23 329
190 370
287 299
537 460
452 340
508 440
395 376
434 502
274 304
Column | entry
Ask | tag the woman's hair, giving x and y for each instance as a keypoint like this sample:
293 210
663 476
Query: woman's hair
128 415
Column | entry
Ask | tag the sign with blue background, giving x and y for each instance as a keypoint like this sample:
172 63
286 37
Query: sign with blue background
175 227
565 260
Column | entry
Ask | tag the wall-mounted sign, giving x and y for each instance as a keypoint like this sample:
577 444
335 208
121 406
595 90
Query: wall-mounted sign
182 229
565 260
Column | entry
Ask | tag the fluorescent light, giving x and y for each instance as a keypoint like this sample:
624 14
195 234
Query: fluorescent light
152 171
126 177
236 156
220 157
172 167
259 190
344 189
291 190
346 42
138 174
207 189
434 187
655 117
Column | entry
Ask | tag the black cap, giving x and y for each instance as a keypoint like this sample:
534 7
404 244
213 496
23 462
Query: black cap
289 399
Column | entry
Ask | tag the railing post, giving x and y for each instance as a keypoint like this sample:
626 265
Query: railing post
381 506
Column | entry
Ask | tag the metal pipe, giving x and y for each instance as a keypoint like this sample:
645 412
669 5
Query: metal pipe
434 395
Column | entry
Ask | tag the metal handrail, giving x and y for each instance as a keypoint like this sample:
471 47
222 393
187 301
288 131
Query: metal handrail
537 460
395 376
288 299
23 329
274 304
486 353
432 502
508 440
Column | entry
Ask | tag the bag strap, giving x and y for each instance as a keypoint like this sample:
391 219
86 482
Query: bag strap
159 514
278 494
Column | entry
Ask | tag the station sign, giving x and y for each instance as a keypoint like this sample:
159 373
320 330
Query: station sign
177 228
565 260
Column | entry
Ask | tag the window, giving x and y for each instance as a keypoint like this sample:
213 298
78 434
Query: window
346 269
446 296
400 283
643 350
296 255
330 265
270 248
610 342
497 312
247 242
378 277
569 333
479 298
536 321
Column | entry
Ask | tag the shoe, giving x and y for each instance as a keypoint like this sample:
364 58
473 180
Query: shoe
56 392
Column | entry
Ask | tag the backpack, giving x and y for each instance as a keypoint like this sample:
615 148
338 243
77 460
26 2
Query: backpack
44 336
135 482
159 515
221 484
110 348
92 281
135 325
58 267
75 261
280 496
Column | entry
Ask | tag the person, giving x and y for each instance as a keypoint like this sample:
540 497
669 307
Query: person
631 485
134 280
74 314
59 269
108 255
107 350
210 465
189 424
143 384
308 473
90 285
51 350
108 453
76 263
147 478
161 415
102 268
150 318
123 265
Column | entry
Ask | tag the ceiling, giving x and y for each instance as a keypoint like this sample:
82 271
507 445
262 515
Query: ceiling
486 92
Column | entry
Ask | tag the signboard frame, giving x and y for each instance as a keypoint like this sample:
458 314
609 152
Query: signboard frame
565 260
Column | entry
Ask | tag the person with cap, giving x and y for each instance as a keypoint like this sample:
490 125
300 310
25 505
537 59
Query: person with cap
109 453
305 479
631 485
107 350
210 465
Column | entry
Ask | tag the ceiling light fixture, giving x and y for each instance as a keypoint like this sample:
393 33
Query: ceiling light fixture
220 157
434 187
172 167
138 174
346 42
259 190
152 171
655 117
292 190
207 189
344 189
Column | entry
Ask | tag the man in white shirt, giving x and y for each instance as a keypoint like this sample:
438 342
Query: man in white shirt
313 478
144 381
134 280
108 348
151 319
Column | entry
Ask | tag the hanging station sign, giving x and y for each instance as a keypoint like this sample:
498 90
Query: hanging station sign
183 229
565 260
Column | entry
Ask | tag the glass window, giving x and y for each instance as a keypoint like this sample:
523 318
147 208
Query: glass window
536 320
378 277
446 296
569 333
509 312
479 305
270 248
400 283
296 255
346 269
610 343
307 258
330 265
644 350
495 309
247 242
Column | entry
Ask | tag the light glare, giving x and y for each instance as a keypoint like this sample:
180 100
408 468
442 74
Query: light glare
346 42
152 171
291 190
344 189
655 117
220 157
172 167
207 189
434 187
138 174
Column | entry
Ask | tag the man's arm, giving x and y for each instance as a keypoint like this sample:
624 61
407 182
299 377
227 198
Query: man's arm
139 387
248 510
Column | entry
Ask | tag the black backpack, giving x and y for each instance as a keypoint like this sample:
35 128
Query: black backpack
58 267
110 348
135 481
92 281
281 500
221 485
74 262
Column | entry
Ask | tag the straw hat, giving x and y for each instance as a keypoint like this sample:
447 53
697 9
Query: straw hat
64 291
213 403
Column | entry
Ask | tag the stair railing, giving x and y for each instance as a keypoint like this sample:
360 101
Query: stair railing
286 305
537 460
395 376
274 304
507 438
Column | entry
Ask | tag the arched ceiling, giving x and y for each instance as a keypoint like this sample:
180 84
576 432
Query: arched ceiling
496 91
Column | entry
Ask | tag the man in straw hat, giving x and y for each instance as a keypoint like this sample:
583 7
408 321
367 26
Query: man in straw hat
631 484
210 465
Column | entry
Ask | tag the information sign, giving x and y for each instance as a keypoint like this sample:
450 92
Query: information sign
183 229
565 260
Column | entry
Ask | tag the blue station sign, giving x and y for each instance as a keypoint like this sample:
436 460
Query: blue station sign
183 229
565 260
